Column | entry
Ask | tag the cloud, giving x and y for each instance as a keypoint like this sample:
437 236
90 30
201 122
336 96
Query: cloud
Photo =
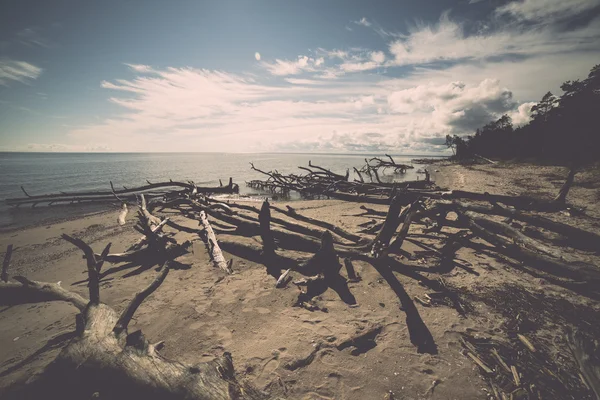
523 114
139 68
257 56
363 22
184 109
298 81
31 37
378 57
455 108
285 67
546 9
448 41
19 71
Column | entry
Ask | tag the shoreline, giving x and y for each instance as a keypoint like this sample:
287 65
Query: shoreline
200 313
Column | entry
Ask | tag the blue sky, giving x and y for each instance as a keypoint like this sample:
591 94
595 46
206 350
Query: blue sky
308 76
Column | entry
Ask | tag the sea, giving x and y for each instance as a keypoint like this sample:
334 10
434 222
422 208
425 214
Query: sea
44 173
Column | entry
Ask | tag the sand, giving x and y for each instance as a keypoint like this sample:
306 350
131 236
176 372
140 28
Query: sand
199 313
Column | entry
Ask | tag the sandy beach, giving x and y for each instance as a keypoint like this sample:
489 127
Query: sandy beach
200 313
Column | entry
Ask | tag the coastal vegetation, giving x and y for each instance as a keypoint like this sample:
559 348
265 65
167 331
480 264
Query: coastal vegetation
563 129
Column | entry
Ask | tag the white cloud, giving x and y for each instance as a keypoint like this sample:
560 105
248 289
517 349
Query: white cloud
299 81
363 22
523 114
257 56
378 57
455 107
139 68
448 41
19 71
285 67
546 9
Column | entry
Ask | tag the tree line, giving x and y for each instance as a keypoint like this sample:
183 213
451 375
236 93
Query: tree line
562 129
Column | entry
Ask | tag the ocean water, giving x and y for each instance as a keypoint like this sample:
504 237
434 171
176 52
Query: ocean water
43 173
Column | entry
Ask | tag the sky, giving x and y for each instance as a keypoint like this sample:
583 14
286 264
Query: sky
326 76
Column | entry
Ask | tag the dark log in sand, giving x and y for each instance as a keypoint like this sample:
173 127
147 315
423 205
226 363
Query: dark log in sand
392 220
6 263
585 351
532 258
561 198
578 237
291 212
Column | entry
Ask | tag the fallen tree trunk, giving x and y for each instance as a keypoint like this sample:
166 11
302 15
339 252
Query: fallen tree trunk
213 246
523 202
124 194
6 262
576 236
533 259
584 350
392 220
104 360
561 198
335 229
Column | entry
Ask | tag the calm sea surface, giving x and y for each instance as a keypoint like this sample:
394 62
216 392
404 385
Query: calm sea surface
42 173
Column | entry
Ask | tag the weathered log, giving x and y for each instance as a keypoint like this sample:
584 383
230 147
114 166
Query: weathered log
6 263
266 235
561 198
122 214
104 359
213 245
27 291
152 220
401 235
144 239
352 275
575 236
325 261
523 202
94 266
520 238
128 194
584 351
533 259
333 228
283 278
392 220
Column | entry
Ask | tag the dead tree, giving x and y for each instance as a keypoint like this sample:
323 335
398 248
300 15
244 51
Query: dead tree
151 191
106 360
561 198
213 246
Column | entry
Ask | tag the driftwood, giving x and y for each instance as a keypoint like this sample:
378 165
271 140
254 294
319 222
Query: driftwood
291 212
321 182
213 246
105 360
376 163
6 262
123 195
585 352
561 198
